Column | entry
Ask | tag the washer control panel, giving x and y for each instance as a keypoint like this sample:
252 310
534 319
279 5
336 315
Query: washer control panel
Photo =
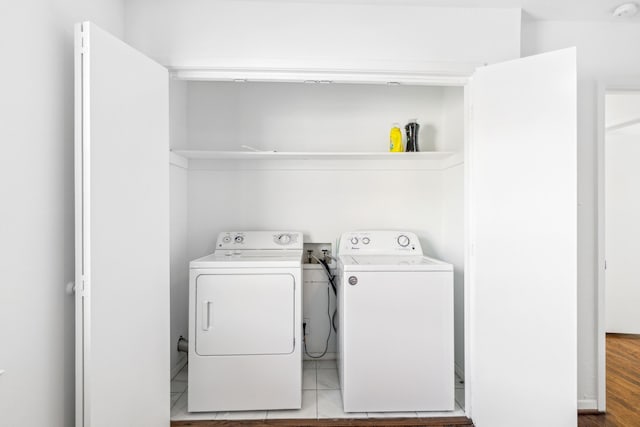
291 240
379 242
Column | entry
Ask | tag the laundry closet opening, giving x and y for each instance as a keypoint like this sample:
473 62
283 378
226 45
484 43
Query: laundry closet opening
314 157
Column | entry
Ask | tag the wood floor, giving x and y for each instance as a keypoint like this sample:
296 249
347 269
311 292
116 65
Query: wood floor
623 384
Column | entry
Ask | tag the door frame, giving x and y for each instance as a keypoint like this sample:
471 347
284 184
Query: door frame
601 318
460 77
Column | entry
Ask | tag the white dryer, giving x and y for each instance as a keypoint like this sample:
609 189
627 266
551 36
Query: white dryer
395 330
245 307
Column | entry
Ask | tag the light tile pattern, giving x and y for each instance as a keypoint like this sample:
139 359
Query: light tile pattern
328 379
309 379
321 398
330 406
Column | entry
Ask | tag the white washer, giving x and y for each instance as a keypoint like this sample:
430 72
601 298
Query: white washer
245 303
395 334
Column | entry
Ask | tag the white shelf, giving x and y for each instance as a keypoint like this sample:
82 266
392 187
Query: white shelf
288 160
290 155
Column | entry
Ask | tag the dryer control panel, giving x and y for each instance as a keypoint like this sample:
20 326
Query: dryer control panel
290 240
379 242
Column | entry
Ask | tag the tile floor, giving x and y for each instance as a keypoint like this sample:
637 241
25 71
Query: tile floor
320 399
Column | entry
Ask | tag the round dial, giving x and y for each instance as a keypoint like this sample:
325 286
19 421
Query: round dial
365 240
403 240
226 239
239 239
354 240
284 239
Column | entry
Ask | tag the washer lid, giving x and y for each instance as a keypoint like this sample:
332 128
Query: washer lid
249 259
393 263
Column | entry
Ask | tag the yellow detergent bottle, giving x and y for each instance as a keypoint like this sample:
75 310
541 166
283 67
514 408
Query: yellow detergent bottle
395 137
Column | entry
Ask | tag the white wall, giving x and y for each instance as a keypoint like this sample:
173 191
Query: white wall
453 108
178 114
311 117
179 264
603 55
315 312
36 184
452 244
178 177
319 34
622 211
320 203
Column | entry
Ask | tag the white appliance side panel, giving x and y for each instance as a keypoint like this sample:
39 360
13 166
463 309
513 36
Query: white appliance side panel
124 223
397 341
244 314
523 344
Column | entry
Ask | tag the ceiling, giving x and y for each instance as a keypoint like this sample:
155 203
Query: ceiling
547 10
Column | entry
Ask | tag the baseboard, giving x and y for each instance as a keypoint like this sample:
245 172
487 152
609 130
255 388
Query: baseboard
178 366
588 405
589 412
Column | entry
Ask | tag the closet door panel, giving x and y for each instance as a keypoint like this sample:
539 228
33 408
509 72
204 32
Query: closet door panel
122 234
523 209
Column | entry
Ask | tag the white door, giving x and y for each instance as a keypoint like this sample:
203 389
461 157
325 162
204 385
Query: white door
241 314
522 313
122 234
622 243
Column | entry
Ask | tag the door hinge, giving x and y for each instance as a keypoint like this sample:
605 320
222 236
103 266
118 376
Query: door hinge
83 43
83 287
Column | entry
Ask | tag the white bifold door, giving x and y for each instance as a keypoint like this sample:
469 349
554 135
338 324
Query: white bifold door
522 223
122 234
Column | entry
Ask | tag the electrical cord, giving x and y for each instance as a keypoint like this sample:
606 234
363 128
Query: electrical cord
331 278
304 332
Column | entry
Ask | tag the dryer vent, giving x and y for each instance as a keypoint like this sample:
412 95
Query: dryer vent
183 344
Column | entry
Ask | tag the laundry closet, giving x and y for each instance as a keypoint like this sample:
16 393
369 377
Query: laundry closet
314 157
279 147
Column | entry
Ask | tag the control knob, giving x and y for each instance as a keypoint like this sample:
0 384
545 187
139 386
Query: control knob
365 240
354 240
239 239
403 240
284 239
